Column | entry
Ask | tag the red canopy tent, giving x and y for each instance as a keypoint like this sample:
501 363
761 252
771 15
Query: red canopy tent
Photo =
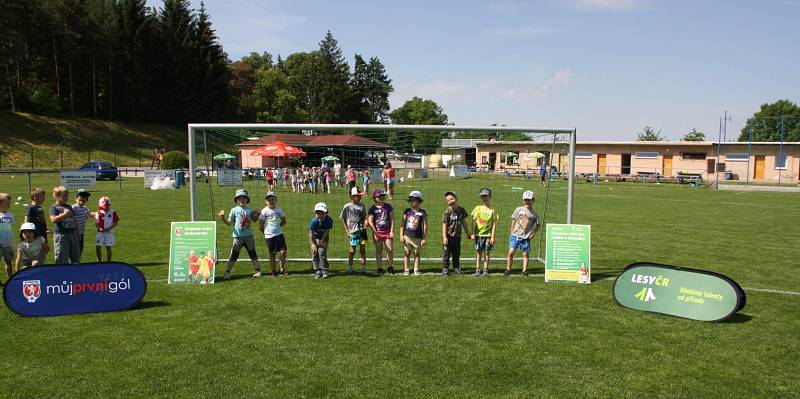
278 149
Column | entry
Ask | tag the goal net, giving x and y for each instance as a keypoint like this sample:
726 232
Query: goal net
297 162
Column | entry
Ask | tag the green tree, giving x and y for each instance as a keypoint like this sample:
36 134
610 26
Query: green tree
694 135
766 123
418 111
379 87
332 92
650 134
211 90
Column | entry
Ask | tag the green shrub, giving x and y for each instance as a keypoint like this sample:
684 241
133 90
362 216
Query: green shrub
175 160
44 101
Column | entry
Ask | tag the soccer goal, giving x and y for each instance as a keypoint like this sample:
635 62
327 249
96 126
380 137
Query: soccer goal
309 163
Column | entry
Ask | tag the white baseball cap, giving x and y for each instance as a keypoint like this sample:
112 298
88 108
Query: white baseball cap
320 206
27 226
528 195
415 194
354 191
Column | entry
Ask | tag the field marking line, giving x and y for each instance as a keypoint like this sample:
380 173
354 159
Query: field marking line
771 291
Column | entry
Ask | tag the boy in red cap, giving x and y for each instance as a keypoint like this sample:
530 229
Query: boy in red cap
106 219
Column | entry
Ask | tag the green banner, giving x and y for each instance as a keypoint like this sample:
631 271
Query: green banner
568 253
690 293
192 252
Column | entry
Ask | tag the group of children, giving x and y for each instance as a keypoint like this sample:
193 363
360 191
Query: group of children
69 226
360 222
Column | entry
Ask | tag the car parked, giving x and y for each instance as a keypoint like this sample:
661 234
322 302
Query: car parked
104 170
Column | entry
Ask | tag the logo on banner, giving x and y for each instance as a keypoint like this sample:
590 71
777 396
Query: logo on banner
178 231
645 295
32 290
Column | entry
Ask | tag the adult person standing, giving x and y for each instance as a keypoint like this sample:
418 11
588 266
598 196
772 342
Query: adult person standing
388 179
337 172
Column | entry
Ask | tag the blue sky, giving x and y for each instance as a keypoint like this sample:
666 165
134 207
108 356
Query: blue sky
606 67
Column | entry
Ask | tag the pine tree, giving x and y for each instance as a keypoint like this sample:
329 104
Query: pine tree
212 91
332 92
379 88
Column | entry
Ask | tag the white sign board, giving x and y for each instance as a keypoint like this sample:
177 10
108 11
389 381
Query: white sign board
79 179
150 175
459 171
229 177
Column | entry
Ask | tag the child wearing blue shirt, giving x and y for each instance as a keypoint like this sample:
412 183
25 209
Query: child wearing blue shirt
318 233
241 217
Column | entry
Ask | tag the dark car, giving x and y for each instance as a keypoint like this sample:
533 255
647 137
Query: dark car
105 170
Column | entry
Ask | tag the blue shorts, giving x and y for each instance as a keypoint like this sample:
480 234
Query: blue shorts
358 238
482 244
523 244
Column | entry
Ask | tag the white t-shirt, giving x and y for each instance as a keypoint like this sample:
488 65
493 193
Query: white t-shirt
272 221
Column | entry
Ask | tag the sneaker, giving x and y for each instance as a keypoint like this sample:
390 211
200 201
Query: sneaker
445 271
379 271
227 276
274 274
203 282
417 272
363 270
457 271
477 272
507 273
257 274
405 272
485 272
318 276
285 273
324 274
525 273
350 270
390 270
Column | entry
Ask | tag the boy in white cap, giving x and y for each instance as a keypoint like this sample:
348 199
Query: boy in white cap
32 249
271 222
106 220
318 235
484 227
353 216
524 225
413 231
241 216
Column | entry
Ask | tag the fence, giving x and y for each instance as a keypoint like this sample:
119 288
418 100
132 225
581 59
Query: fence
46 158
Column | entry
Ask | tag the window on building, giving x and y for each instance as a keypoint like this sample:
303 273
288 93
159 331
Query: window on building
484 160
583 155
736 157
647 155
780 161
502 158
694 155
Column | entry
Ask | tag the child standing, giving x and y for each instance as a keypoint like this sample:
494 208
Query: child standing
365 180
453 221
270 179
328 180
285 176
241 217
380 221
35 213
82 214
413 231
295 185
32 249
318 234
353 215
484 227
350 175
271 222
524 225
6 234
67 247
106 219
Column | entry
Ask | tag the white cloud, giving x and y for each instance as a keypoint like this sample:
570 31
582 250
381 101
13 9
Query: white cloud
531 88
606 4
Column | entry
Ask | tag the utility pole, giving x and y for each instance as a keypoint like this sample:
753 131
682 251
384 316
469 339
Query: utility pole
725 120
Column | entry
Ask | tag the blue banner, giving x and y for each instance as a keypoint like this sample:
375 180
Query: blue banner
54 290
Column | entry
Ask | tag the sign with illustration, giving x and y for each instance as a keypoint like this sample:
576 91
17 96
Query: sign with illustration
568 253
78 179
54 290
229 177
192 252
690 293
151 175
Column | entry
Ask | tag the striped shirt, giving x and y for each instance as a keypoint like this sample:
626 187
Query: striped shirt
82 214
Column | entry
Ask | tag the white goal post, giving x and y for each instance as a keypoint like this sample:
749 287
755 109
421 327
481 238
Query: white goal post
194 128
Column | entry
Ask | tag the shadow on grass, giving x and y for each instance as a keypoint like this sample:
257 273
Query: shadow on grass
149 304
605 275
142 264
738 318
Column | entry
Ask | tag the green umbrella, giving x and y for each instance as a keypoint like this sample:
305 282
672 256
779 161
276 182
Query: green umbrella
224 157
510 154
537 155
330 158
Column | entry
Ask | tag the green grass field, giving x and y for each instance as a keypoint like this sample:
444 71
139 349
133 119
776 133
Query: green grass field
429 336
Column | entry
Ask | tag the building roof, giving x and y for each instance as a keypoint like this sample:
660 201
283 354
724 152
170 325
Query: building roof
642 143
330 140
